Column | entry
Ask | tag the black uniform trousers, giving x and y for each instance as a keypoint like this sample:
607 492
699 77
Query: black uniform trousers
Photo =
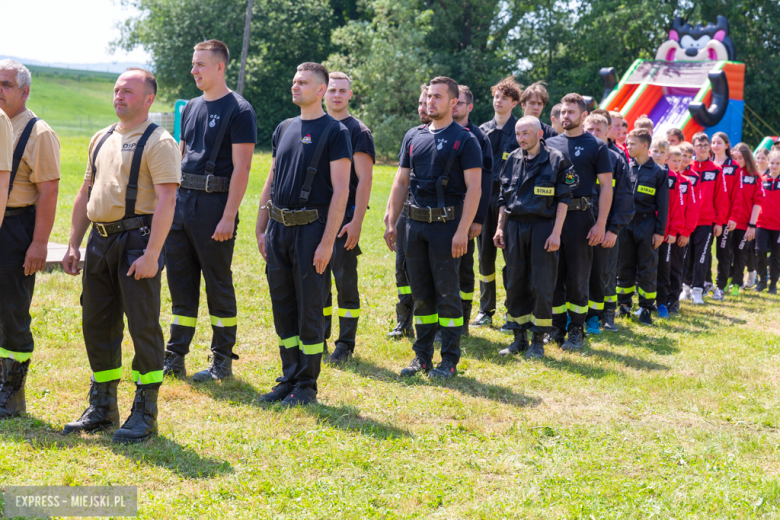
724 252
676 273
298 295
638 262
107 294
531 272
664 272
768 242
602 280
190 251
743 250
344 264
466 275
574 263
434 278
487 255
16 289
698 253
610 287
401 275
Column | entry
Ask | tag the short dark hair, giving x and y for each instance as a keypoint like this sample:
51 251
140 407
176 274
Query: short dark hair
700 136
537 89
625 124
424 87
677 133
604 113
319 70
452 85
575 99
339 75
556 110
149 79
463 89
217 48
507 87
643 135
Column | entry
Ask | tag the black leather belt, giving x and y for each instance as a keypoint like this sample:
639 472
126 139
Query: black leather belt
289 217
109 228
433 214
529 219
580 204
13 212
643 216
207 183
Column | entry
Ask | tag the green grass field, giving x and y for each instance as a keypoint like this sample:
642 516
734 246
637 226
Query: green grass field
679 420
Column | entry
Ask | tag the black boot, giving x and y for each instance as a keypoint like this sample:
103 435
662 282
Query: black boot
142 422
174 365
772 288
556 336
609 321
277 393
300 397
536 349
575 340
340 355
221 368
466 316
518 346
404 327
12 377
102 412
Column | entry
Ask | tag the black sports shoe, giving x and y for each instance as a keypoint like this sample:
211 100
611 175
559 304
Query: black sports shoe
277 393
173 365
445 370
415 366
482 320
556 336
575 339
340 356
674 308
624 311
645 318
300 396
505 328
536 349
772 288
760 286
609 321
518 346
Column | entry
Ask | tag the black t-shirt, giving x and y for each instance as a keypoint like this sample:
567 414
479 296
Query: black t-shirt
200 128
549 131
362 141
426 153
589 155
293 156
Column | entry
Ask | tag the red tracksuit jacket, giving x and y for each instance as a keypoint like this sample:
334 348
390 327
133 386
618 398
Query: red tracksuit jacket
731 174
676 219
769 218
714 194
692 202
747 193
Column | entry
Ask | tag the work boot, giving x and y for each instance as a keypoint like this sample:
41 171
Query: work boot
102 412
445 370
12 377
574 342
645 318
482 320
404 327
663 312
415 366
340 356
142 422
761 285
518 346
697 296
536 349
624 311
772 288
466 317
173 365
609 321
221 368
556 336
300 396
593 325
277 393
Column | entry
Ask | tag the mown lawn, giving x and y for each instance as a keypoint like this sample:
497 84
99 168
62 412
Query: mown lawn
679 420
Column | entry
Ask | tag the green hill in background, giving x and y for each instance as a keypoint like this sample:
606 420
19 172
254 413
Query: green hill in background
76 102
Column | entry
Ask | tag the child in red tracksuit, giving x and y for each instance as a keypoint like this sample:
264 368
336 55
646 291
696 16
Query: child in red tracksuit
724 246
674 224
744 213
768 223
713 214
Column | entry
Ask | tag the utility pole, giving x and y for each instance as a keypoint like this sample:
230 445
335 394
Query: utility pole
245 49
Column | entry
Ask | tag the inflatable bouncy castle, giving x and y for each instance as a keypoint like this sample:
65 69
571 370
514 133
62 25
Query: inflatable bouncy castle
693 84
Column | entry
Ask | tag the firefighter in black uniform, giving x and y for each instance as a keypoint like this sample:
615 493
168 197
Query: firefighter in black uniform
218 136
346 250
442 168
536 187
29 217
500 131
533 100
461 116
640 240
129 195
582 229
305 198
603 273
404 309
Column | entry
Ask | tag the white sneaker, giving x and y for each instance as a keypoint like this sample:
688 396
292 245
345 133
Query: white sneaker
718 295
752 278
708 287
686 293
697 296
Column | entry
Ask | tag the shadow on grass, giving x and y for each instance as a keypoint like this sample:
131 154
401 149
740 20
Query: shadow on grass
232 390
159 451
460 383
348 418
629 361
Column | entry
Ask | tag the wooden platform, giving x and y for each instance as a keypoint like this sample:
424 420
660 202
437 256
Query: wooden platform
55 255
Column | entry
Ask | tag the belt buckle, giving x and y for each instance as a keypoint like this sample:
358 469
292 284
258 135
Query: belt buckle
430 215
206 188
101 229
285 214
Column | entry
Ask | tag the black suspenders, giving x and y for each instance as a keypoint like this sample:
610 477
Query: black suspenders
444 179
19 150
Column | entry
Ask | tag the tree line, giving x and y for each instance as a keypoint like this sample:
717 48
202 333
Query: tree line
389 47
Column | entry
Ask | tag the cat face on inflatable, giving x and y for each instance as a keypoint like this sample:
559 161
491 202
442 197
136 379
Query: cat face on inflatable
700 43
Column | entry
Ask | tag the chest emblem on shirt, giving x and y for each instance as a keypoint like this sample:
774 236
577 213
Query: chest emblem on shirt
728 170
683 188
578 150
709 176
307 139
440 143
213 120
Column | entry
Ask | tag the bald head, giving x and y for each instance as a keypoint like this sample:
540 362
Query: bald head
134 94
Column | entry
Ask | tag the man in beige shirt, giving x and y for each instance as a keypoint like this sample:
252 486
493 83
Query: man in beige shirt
129 196
29 218
6 150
